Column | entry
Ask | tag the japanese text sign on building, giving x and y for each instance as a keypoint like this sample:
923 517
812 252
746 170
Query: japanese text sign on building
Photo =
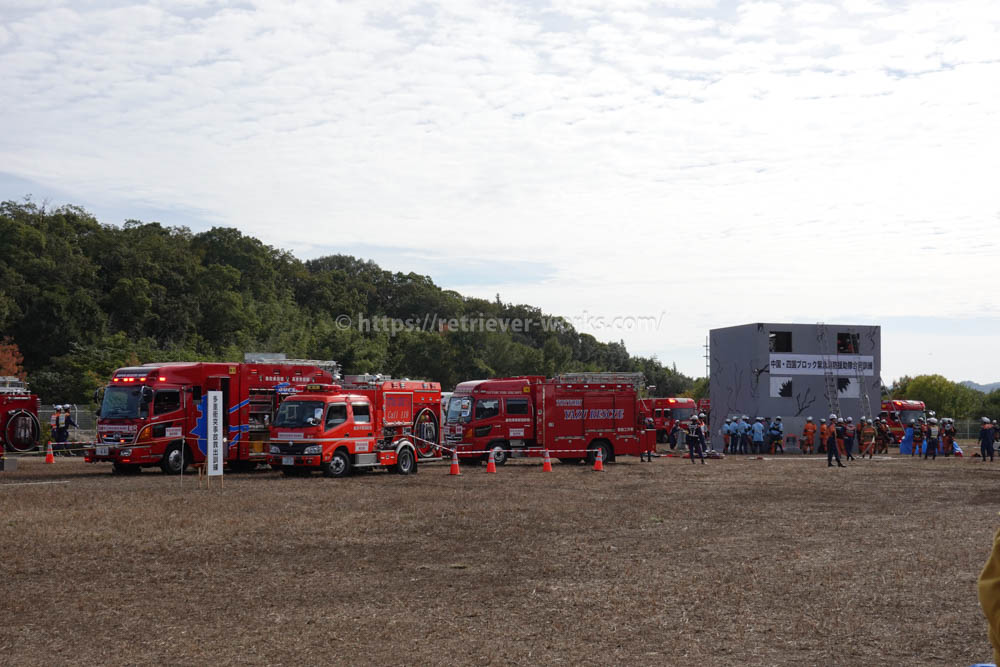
849 365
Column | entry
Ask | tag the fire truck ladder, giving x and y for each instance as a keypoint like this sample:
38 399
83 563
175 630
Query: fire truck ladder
832 393
331 366
637 380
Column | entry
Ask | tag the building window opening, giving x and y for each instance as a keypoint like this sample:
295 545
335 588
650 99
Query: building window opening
779 341
848 343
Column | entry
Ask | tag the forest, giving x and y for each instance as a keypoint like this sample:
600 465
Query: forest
79 298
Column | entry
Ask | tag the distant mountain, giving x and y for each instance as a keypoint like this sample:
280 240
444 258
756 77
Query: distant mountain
985 388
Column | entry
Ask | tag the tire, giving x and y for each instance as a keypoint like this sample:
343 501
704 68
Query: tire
406 463
605 451
338 466
124 469
175 460
500 454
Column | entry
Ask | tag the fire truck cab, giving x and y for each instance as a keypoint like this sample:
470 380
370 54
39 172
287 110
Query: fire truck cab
366 422
571 415
19 427
665 412
899 412
156 414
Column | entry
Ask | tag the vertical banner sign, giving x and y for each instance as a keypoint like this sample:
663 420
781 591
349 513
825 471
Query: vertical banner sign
215 454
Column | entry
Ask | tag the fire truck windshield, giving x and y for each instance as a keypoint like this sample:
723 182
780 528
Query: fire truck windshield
682 414
459 409
299 414
123 403
907 415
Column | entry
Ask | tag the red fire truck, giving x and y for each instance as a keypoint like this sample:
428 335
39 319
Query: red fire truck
571 415
156 414
366 422
666 412
19 427
899 412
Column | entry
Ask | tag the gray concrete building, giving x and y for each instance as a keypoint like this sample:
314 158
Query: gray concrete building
794 371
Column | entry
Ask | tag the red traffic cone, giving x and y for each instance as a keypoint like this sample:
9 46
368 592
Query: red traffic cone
454 463
546 462
599 460
491 465
49 457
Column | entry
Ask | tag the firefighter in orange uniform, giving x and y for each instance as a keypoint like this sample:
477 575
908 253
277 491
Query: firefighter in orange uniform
867 441
823 428
808 436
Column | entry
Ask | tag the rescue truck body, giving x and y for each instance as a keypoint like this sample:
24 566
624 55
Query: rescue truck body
572 416
899 412
20 430
156 414
368 422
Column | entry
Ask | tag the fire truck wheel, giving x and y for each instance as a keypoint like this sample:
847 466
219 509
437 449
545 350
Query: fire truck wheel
499 453
124 469
338 466
406 464
605 451
175 460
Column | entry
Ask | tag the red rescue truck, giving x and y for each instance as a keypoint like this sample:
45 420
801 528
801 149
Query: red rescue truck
666 412
571 415
899 412
367 422
19 427
156 414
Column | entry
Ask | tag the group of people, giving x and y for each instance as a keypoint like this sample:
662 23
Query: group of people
741 436
60 423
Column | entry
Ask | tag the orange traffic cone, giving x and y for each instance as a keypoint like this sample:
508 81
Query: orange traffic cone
491 465
546 462
454 463
49 458
599 460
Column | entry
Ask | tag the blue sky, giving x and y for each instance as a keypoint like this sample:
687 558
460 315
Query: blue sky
707 163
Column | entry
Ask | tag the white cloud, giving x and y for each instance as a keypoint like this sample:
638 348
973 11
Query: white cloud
764 162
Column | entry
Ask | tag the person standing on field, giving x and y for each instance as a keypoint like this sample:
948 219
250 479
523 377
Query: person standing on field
832 447
694 440
727 432
808 436
986 439
757 436
867 440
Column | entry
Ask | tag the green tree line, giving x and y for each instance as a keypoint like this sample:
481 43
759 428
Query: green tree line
80 298
947 398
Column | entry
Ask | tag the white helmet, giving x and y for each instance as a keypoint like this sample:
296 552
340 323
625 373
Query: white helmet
701 415
850 419
833 416
822 421
840 420
913 421
777 419
728 420
870 421
809 419
986 420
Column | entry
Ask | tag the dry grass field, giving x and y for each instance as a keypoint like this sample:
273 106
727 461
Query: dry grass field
758 562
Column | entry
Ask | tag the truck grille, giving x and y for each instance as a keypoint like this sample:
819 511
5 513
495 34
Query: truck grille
292 447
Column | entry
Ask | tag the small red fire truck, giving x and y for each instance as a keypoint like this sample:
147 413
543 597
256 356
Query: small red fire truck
156 414
899 412
666 412
19 427
571 415
367 422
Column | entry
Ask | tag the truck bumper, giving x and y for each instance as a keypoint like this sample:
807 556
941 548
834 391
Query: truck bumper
115 454
295 460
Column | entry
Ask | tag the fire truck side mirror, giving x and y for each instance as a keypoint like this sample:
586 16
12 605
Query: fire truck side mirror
147 394
196 393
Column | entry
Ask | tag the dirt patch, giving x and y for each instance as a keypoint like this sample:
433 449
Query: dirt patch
758 562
